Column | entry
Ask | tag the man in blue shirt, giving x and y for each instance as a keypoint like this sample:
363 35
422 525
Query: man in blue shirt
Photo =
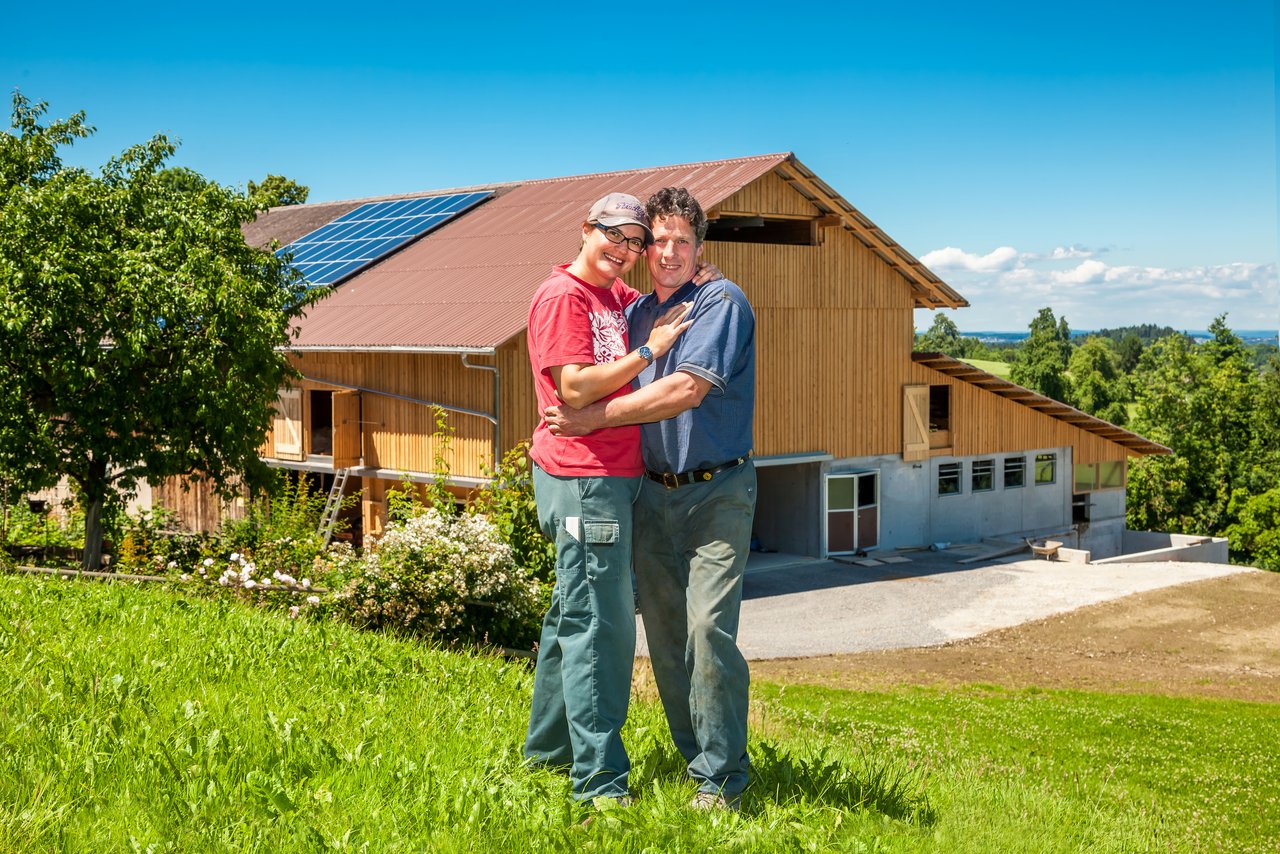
693 517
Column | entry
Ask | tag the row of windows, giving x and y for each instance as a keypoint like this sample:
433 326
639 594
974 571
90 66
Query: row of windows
982 474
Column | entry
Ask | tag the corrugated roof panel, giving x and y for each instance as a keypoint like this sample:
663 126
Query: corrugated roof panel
468 284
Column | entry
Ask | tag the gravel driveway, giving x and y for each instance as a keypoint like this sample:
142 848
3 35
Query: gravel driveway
796 607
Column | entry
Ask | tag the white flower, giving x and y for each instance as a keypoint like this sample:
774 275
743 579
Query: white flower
293 612
235 555
313 600
306 584
223 581
266 582
184 577
208 561
250 584
173 564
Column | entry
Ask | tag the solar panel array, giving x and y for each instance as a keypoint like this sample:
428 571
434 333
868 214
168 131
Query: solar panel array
362 236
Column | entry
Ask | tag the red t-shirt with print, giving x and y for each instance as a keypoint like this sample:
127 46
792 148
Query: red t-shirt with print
572 322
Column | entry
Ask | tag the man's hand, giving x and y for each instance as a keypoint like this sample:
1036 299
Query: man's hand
567 421
706 272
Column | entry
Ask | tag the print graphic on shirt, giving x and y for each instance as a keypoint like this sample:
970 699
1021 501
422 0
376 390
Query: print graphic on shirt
607 335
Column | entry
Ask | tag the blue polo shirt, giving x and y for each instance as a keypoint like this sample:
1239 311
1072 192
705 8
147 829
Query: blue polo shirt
719 347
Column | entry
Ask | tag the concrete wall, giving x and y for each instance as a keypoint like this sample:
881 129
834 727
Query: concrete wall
1153 546
1104 537
913 514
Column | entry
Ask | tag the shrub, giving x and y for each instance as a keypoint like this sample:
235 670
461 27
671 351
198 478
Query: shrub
507 500
441 576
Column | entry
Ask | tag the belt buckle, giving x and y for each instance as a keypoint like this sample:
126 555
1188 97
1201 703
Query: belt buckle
670 480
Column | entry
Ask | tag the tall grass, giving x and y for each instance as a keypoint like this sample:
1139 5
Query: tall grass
135 720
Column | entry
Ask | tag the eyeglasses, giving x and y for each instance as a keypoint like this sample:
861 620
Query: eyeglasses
635 244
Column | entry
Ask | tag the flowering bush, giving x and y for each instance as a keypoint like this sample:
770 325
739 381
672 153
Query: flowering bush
442 576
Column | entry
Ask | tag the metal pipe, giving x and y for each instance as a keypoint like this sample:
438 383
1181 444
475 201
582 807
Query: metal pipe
497 402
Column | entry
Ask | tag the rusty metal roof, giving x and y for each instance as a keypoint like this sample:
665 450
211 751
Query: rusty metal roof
467 285
1026 397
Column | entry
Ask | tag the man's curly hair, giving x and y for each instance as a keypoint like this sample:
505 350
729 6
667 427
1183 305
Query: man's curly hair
677 201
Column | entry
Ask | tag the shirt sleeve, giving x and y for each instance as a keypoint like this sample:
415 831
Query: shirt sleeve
722 332
561 327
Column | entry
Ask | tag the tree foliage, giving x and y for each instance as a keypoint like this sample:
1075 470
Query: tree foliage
140 337
276 190
1098 385
1042 360
1221 418
942 337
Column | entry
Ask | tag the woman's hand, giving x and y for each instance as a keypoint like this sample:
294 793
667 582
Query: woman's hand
668 328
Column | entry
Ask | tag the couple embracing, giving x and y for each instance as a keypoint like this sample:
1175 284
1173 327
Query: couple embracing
642 457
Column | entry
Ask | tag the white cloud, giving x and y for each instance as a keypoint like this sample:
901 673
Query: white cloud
1006 288
1072 251
951 258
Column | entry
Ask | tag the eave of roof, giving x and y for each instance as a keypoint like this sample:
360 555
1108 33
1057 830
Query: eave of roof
952 367
926 288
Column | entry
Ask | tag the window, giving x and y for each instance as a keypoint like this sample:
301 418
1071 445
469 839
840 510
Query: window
1015 472
322 423
939 408
1111 475
1086 477
1046 469
949 478
761 229
983 476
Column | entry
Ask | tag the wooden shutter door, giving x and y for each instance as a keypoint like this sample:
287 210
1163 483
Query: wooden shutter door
346 429
915 422
286 428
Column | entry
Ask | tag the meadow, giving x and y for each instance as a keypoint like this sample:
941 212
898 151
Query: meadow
136 719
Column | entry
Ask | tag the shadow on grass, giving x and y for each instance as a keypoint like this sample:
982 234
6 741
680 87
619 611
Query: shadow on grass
882 785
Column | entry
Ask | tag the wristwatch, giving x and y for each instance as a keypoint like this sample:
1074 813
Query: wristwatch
646 353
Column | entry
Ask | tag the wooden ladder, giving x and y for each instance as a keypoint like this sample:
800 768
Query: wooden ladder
334 504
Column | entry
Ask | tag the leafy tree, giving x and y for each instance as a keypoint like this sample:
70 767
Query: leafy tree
1042 360
140 336
1221 418
1129 351
180 179
276 190
1099 387
942 337
1255 537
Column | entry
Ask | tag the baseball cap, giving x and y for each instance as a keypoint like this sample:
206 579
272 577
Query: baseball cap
621 209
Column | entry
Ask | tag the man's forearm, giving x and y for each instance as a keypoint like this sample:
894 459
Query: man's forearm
661 399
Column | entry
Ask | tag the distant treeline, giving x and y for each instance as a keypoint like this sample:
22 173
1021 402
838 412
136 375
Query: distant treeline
1212 399
1145 332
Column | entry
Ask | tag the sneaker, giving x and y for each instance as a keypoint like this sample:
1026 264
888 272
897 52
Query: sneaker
704 801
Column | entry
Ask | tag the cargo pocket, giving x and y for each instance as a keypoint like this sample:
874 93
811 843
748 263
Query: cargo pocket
599 536
601 531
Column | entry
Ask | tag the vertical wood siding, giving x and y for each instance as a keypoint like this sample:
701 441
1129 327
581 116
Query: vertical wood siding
834 337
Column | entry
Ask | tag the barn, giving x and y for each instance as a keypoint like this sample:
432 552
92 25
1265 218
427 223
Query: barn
860 443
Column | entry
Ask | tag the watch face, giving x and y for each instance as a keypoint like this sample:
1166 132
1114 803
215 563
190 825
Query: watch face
646 353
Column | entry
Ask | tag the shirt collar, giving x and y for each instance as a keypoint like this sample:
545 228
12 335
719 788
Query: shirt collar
680 295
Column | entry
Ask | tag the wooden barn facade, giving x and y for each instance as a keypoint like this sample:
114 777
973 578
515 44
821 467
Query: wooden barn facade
860 443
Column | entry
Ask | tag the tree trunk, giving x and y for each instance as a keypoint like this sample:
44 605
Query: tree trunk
93 493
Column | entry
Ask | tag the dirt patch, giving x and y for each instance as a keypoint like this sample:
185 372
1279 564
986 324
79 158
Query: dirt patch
1214 638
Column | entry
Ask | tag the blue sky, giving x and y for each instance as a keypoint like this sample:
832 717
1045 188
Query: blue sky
1115 161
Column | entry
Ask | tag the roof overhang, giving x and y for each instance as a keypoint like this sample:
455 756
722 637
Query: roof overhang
927 289
952 367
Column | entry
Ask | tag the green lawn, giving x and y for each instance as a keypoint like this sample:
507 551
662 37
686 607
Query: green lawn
1000 369
136 720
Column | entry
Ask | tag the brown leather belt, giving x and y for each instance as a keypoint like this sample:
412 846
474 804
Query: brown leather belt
671 480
